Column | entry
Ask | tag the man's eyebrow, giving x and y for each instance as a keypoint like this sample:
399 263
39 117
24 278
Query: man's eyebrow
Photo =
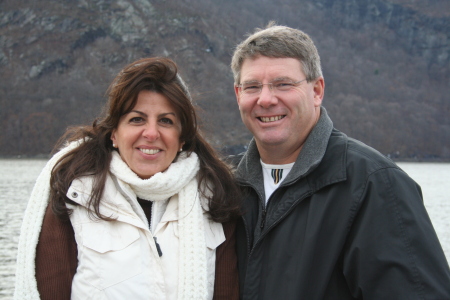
282 78
251 81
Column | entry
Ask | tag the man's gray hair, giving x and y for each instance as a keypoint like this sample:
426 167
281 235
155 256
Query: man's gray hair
278 42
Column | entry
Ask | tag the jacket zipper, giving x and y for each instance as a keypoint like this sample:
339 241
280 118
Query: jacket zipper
249 248
157 247
130 200
282 217
263 218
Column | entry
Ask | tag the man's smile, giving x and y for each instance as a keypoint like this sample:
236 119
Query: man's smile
271 119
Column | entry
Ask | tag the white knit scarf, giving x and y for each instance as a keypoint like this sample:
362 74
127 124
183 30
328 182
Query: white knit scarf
26 285
179 178
192 269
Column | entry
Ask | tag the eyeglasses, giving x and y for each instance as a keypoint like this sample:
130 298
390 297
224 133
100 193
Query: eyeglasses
255 88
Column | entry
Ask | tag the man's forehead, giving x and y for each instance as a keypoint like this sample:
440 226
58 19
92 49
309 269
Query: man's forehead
269 68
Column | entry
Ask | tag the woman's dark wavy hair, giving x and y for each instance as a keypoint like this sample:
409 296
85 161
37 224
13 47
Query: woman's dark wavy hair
93 156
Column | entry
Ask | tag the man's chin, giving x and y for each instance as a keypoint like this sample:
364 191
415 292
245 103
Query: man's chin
274 140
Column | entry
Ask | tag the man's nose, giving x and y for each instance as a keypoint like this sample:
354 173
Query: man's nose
267 97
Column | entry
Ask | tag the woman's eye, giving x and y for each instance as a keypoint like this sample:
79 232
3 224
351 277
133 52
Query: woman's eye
166 121
136 120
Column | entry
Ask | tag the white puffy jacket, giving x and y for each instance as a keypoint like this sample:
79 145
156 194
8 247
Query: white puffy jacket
119 259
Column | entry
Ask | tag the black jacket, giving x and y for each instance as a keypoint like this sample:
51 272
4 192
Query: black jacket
346 223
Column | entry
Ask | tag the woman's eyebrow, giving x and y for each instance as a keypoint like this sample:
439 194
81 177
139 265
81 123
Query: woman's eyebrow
168 113
145 115
138 112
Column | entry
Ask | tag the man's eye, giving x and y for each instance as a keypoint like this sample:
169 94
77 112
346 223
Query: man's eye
251 88
283 85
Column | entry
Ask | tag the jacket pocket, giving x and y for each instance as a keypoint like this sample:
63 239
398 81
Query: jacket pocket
214 234
111 253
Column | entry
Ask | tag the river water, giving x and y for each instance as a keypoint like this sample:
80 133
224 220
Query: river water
17 177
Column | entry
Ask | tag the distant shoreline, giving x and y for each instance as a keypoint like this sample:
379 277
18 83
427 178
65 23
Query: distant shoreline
412 159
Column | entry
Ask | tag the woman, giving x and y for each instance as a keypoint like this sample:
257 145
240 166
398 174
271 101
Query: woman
139 205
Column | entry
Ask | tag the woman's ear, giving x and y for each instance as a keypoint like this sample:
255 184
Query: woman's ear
113 138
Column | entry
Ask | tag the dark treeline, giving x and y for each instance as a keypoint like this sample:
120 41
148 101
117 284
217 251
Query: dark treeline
386 65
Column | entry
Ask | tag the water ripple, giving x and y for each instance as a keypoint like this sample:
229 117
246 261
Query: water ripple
17 178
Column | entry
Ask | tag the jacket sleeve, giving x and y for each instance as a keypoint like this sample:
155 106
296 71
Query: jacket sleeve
56 258
393 251
226 283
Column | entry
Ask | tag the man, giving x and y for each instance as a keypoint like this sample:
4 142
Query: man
325 216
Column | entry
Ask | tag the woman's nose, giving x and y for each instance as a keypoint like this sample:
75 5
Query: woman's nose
151 132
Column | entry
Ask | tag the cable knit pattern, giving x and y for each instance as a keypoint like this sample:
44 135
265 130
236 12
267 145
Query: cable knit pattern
26 286
192 270
162 185
179 178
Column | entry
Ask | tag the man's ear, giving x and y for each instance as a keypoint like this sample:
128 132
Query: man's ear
236 92
319 91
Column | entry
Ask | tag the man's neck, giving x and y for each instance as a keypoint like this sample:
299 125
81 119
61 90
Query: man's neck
277 156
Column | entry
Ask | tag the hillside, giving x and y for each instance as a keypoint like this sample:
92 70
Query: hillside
386 65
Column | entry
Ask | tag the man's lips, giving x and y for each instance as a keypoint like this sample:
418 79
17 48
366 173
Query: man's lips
271 119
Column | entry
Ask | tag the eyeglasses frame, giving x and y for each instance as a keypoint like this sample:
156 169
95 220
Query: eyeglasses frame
270 84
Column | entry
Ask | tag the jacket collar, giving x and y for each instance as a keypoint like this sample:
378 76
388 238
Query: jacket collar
249 170
118 202
115 203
